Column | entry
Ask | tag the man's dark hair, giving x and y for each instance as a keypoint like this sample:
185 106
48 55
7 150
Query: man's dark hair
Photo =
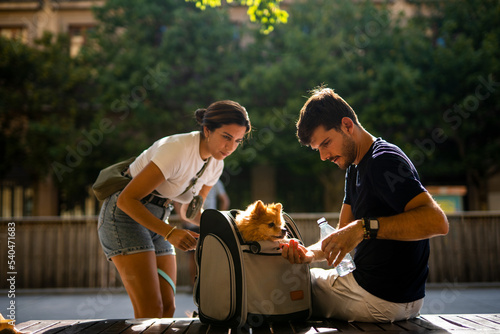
324 107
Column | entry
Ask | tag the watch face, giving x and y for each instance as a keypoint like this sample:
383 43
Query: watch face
374 224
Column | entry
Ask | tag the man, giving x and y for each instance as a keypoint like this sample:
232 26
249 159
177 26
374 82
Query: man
217 198
387 216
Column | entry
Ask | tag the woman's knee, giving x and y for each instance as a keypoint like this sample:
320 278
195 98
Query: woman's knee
168 310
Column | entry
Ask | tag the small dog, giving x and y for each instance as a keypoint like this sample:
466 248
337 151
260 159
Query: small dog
261 222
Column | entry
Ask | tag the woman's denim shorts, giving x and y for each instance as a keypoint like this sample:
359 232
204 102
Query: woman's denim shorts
121 235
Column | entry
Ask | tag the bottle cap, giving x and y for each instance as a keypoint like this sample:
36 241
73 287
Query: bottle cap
321 220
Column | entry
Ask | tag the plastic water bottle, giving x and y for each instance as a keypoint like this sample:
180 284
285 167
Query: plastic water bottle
347 264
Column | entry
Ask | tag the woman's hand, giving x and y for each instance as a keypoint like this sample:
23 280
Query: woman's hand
183 239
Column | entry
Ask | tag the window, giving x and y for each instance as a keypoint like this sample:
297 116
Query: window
14 32
78 36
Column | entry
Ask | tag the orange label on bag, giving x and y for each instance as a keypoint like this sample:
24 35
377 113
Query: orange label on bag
297 295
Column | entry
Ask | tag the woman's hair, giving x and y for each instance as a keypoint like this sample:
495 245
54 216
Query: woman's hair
326 108
222 113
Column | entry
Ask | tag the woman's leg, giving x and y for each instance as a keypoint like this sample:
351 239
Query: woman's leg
139 274
169 266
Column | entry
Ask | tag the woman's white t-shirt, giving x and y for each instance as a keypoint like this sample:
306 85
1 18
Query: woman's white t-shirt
178 157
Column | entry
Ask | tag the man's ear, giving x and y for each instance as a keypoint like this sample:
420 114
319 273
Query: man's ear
347 125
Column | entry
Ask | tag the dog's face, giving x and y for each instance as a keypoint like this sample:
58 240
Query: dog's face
262 222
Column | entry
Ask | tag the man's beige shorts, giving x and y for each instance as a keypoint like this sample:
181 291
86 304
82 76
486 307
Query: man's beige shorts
342 298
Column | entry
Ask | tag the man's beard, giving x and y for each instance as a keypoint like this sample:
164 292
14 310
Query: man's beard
348 152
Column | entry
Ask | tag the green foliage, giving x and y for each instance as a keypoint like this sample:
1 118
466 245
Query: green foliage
402 81
44 98
267 12
170 60
466 73
351 47
429 84
155 63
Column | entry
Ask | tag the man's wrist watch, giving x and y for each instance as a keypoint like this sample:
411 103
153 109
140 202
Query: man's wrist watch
370 228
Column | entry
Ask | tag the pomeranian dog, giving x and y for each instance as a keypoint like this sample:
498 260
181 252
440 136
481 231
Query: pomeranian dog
261 222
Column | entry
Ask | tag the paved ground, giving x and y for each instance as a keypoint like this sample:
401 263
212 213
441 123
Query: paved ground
85 304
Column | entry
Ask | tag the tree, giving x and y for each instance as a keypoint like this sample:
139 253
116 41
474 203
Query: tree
157 62
429 84
343 46
267 12
44 96
154 63
433 95
464 71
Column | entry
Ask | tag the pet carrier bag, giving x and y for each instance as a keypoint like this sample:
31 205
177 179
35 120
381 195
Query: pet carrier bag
242 283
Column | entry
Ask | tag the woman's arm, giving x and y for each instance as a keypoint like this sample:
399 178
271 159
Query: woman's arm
129 202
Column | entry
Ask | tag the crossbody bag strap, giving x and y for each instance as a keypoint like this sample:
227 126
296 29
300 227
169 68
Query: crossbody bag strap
197 176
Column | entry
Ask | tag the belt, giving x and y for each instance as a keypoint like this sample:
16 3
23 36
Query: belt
156 200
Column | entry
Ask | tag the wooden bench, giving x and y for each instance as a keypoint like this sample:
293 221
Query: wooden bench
436 324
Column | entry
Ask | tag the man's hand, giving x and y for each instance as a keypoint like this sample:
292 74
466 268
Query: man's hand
336 246
296 253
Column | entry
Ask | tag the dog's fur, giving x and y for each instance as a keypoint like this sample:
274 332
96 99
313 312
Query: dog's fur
261 222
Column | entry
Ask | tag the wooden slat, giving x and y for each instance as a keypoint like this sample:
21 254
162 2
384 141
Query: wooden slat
60 257
78 326
494 318
179 326
117 327
417 324
138 328
326 326
92 327
482 321
391 327
94 249
443 323
50 266
25 326
159 326
303 328
367 327
468 321
435 324
41 326
340 325
196 327
50 326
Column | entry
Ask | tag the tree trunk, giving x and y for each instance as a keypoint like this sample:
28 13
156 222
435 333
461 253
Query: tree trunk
477 191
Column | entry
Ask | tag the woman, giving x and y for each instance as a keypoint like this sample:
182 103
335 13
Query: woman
132 227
